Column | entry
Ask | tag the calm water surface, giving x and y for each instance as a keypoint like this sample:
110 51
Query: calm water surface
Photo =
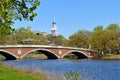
92 69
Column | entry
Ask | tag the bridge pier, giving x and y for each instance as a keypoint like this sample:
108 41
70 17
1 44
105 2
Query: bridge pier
19 59
19 52
59 57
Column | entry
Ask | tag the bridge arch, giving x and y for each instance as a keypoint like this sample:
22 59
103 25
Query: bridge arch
8 55
79 54
48 53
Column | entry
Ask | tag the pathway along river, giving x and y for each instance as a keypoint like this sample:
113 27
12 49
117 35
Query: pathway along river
89 69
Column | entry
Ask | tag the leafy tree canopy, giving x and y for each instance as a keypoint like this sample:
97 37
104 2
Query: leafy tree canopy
113 27
79 39
11 10
98 28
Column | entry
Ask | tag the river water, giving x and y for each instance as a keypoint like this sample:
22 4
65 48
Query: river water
89 69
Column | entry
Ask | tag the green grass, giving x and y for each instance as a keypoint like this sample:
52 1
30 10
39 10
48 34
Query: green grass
9 74
107 56
111 56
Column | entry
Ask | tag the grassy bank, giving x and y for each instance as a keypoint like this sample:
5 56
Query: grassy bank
107 56
9 74
110 56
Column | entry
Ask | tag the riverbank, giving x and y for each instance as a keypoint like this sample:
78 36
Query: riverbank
108 57
13 74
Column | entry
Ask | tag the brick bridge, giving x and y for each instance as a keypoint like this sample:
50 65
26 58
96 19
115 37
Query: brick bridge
13 52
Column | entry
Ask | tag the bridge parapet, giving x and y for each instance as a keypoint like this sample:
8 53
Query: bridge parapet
44 46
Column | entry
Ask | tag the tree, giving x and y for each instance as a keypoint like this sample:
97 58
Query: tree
56 40
80 39
60 40
21 30
97 28
25 36
113 27
115 42
17 36
11 10
105 41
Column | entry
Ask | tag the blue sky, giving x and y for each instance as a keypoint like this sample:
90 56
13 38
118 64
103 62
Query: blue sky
74 15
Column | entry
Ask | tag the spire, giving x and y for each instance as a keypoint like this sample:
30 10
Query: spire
53 21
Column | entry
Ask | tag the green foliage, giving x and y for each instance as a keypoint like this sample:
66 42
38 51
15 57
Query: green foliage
17 9
24 36
103 40
106 40
113 27
80 39
4 32
98 28
11 10
56 40
21 30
